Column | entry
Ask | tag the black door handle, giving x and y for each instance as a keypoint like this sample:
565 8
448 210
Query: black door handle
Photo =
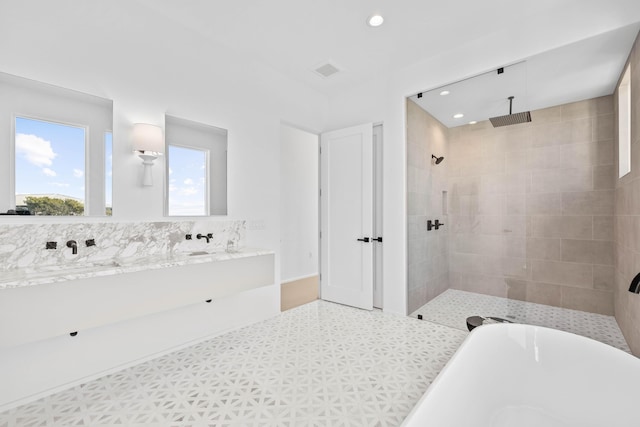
438 224
366 240
377 239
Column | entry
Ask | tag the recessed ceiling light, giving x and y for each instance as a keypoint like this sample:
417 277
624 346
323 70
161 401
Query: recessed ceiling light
375 20
445 93
458 116
472 122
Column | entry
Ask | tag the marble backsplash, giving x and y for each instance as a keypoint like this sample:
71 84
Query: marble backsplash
23 246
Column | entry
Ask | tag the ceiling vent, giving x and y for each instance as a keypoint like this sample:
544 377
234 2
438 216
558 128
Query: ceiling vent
327 70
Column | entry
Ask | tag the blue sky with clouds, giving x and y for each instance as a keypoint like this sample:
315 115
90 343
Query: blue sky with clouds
50 158
187 181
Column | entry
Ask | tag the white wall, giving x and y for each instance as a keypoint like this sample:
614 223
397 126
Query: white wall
298 203
107 49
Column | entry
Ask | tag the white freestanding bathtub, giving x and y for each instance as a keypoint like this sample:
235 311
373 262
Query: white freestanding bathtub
528 376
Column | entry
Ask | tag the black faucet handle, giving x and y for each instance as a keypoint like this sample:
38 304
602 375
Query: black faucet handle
73 245
90 242
210 235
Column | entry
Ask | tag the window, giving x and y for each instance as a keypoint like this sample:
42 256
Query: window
50 178
624 124
196 168
187 181
54 160
108 173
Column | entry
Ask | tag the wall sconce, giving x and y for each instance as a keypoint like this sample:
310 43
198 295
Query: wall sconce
149 143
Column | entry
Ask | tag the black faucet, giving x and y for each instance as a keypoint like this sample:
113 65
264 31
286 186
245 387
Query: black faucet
207 236
73 245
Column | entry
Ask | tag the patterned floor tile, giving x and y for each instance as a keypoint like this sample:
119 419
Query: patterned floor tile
452 307
321 364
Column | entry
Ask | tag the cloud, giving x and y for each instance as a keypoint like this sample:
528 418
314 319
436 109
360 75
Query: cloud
188 191
49 172
78 173
36 150
59 184
188 181
172 187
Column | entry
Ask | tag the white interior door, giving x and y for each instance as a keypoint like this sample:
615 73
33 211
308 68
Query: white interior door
346 162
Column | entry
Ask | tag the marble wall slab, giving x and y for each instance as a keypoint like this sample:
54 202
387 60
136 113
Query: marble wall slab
23 246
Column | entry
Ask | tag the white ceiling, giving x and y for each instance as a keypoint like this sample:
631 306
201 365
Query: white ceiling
293 37
586 69
296 36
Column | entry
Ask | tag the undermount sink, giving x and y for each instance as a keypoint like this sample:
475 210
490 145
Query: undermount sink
197 253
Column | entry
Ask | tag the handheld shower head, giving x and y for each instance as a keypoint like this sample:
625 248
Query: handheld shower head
438 159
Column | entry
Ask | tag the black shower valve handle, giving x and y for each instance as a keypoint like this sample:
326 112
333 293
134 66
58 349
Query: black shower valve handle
438 224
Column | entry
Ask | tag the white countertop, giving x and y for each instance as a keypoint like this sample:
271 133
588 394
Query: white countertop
32 276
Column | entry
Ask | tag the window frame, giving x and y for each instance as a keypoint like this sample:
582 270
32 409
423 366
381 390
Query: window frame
30 99
86 158
207 190
199 136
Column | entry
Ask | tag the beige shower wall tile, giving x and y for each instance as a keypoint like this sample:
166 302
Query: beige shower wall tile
491 204
546 116
516 161
577 251
544 293
587 154
569 227
515 204
544 158
507 139
588 203
480 244
604 277
591 300
514 246
465 185
550 134
587 108
603 252
588 251
603 227
561 180
604 152
545 249
475 264
544 204
604 177
603 128
563 273
491 224
518 268
515 225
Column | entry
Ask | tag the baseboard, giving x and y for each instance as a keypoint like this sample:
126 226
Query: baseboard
297 292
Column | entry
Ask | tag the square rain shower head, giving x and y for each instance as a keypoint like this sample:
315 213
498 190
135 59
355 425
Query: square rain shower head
511 119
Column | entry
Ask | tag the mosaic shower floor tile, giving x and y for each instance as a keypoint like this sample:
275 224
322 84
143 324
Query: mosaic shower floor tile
320 364
452 307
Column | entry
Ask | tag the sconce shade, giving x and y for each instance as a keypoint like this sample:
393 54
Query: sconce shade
147 138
